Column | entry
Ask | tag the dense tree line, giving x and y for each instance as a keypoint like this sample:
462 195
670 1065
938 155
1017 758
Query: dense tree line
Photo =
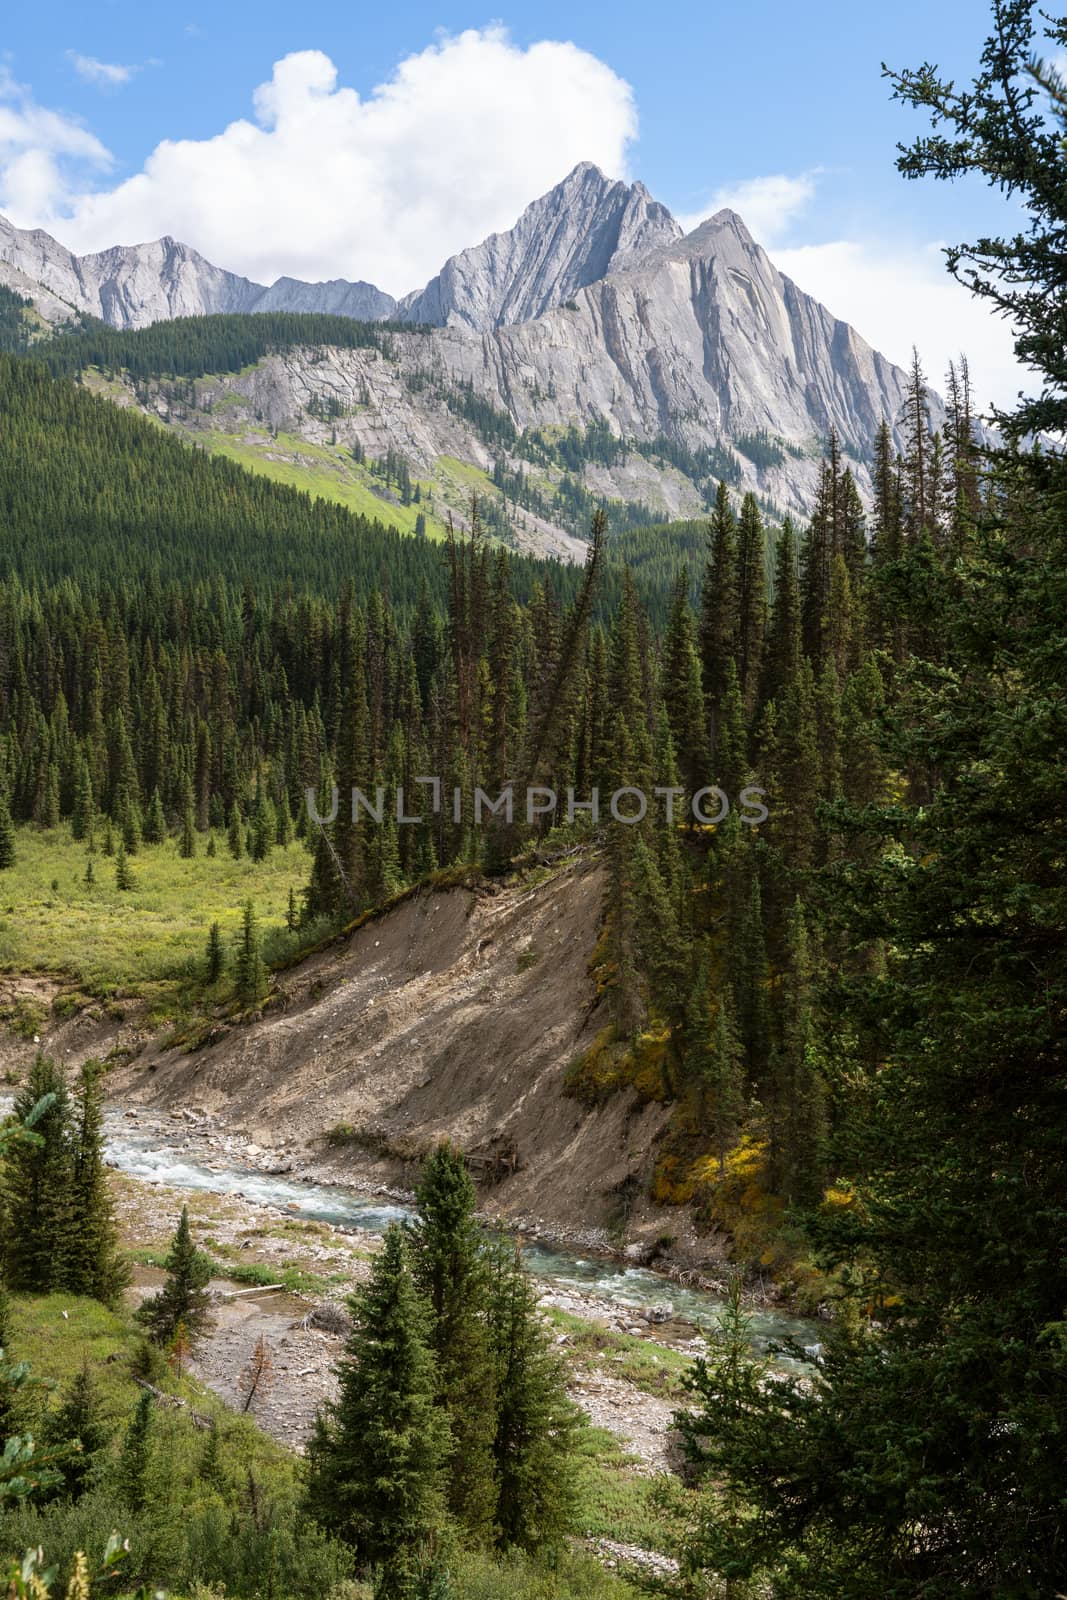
924 1454
142 710
192 347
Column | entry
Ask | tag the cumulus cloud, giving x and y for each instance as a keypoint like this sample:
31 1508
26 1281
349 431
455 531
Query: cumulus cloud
768 205
107 74
898 298
41 152
326 183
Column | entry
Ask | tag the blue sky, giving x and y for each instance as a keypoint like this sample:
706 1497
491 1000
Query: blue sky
726 98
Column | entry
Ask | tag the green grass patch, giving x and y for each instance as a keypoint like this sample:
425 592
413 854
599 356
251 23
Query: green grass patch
653 1368
128 942
327 472
255 1274
614 1503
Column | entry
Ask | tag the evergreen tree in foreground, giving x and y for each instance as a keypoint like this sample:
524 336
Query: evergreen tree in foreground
376 1457
34 1181
94 1263
450 1268
535 1421
925 1455
79 1425
183 1297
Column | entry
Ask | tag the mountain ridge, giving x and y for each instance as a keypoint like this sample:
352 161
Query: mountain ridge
594 311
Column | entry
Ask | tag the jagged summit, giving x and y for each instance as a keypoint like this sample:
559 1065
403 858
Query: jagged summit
593 307
580 231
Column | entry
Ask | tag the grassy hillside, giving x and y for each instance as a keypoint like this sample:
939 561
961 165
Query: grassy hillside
104 939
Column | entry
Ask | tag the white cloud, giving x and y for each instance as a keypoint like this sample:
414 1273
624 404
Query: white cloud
897 298
107 74
768 205
41 152
325 183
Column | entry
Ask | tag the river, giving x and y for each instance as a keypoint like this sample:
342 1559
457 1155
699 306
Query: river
154 1156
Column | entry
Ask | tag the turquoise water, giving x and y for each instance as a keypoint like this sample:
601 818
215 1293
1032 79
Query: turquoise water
151 1157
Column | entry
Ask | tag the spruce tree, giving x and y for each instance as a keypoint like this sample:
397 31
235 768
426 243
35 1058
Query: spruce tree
683 691
214 955
81 820
718 613
11 1407
135 1457
751 599
249 972
235 833
450 1268
187 828
535 1421
35 1178
781 658
79 1429
124 876
926 1456
714 1063
93 1262
7 834
155 823
183 1297
376 1456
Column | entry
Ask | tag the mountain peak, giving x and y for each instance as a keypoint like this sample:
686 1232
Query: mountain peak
585 227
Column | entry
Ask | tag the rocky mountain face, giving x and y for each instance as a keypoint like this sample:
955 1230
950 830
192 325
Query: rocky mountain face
130 286
583 229
704 361
127 286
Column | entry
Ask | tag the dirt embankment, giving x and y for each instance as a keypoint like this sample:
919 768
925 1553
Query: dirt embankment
456 1014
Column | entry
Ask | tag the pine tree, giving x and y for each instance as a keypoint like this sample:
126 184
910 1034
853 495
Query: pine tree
235 833
214 955
718 614
80 1423
155 823
35 1178
249 972
124 876
7 834
535 1421
135 1458
183 1297
751 599
376 1456
448 1261
93 1262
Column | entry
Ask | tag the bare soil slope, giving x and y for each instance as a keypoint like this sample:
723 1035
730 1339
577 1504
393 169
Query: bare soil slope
456 1014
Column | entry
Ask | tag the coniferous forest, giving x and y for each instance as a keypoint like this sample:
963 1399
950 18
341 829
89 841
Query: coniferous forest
830 953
